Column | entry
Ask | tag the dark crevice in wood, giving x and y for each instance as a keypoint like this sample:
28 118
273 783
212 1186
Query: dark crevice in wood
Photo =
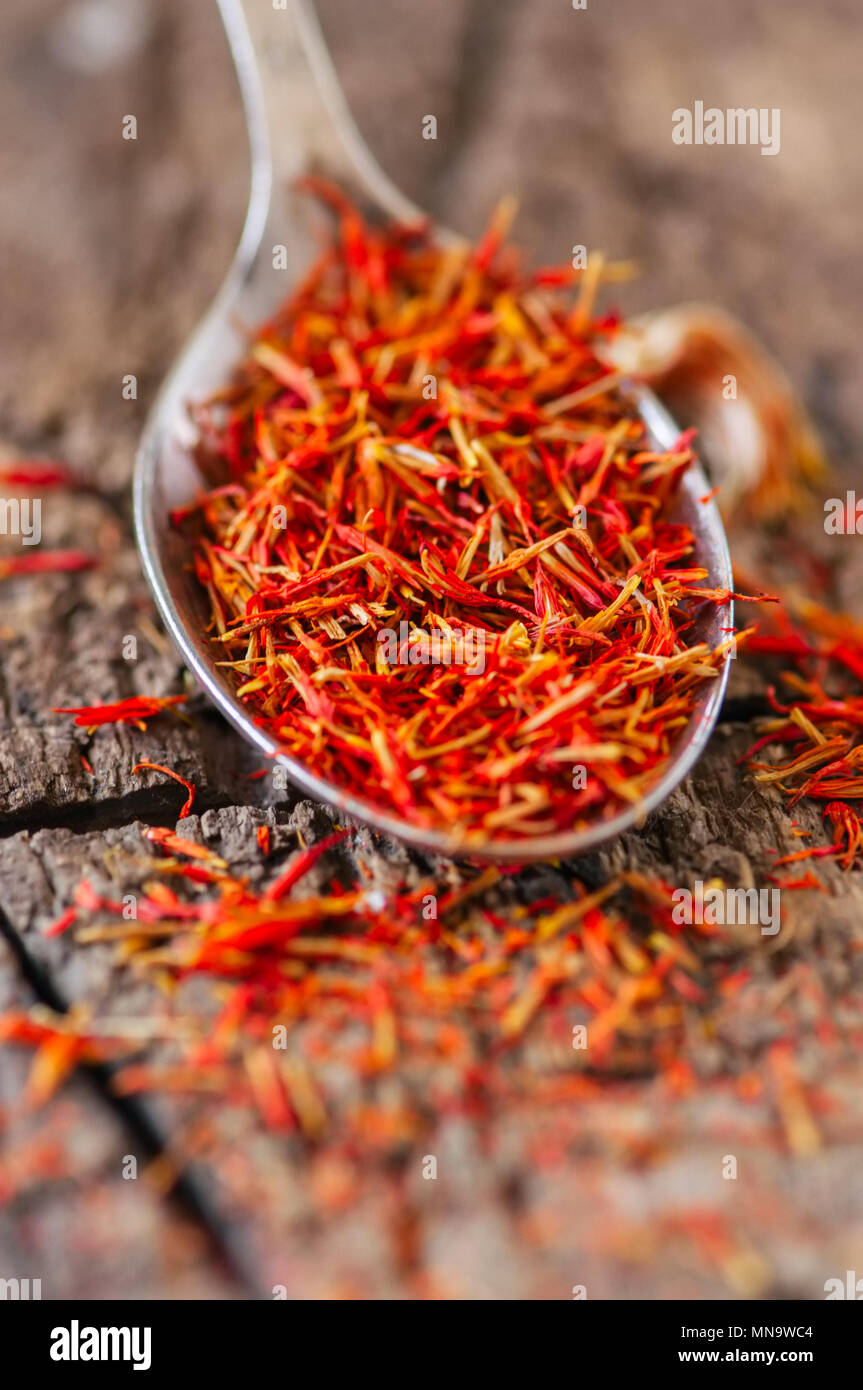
192 1191
739 709
158 805
5 695
149 804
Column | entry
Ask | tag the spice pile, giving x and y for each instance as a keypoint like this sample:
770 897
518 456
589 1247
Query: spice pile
815 736
440 553
356 981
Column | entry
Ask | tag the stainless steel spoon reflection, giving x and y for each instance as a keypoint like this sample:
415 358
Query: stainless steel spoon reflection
298 119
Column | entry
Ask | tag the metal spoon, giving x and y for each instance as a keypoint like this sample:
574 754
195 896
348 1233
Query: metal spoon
298 119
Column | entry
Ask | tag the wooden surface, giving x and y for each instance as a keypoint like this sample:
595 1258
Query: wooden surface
110 250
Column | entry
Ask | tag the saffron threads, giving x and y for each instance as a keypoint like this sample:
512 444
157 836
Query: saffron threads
62 1043
46 562
440 552
136 710
381 979
282 886
63 922
816 739
37 473
157 767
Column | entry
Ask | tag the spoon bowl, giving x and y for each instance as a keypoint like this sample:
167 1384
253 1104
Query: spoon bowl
320 135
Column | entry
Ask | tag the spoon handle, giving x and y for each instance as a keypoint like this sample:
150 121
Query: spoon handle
298 118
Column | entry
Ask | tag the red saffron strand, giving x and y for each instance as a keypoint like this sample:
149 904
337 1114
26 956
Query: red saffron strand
136 710
301 865
47 562
186 808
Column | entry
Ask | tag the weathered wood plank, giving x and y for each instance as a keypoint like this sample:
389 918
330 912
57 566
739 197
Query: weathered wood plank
68 1216
83 639
636 1166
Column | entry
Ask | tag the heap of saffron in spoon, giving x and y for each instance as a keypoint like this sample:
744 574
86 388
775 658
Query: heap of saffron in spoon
439 549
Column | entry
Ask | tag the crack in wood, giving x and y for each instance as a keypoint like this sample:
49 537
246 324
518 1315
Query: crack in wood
192 1190
157 805
151 805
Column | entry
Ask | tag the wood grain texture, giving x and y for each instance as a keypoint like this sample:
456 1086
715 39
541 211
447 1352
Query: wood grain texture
109 253
64 1200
